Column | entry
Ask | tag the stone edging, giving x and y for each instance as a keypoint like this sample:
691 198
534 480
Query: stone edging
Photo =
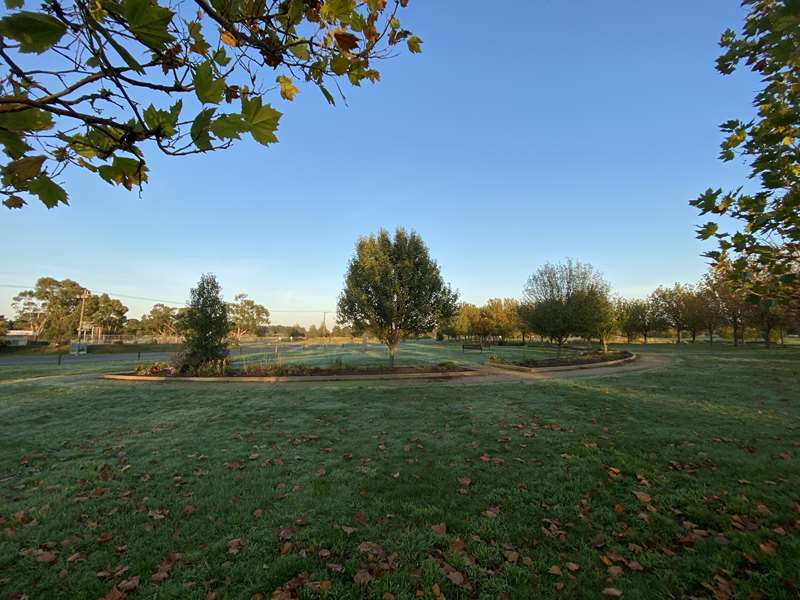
297 378
596 365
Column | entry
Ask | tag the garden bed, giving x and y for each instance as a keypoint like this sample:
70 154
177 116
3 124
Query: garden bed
583 360
274 373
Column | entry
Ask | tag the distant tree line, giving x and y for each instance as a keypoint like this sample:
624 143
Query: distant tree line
572 300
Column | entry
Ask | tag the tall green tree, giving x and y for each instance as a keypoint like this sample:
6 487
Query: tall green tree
205 324
246 316
99 85
162 321
731 299
106 313
394 289
29 312
769 218
57 307
670 305
567 299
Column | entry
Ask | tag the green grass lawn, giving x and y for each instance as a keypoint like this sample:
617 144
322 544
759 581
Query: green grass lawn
678 482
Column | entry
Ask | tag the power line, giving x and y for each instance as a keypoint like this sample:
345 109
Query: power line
162 301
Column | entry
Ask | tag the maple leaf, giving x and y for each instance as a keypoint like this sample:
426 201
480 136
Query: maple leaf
345 41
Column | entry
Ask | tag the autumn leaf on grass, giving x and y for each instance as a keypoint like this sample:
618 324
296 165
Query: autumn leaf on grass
642 497
612 592
511 556
614 472
362 577
554 570
439 529
234 546
45 556
573 566
492 512
130 584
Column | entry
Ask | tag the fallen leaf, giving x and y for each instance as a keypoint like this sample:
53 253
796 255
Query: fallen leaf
362 577
130 584
612 592
234 546
554 570
439 529
643 498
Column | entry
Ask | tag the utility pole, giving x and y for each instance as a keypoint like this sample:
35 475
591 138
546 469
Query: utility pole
86 294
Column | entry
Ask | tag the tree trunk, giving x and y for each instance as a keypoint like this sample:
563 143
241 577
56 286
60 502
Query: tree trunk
604 341
679 336
710 336
392 353
735 325
645 338
767 331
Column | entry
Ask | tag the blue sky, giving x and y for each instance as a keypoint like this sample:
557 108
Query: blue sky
527 133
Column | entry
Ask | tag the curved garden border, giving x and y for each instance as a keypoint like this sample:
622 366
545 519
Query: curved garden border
595 365
299 378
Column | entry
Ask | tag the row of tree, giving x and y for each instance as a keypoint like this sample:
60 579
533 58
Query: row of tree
54 310
572 299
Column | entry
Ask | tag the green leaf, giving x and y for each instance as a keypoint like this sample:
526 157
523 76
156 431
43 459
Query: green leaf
208 89
148 22
19 171
414 44
226 8
13 4
200 128
299 48
49 192
199 43
340 64
124 54
163 120
221 57
328 95
32 119
336 9
14 145
125 171
228 127
263 120
35 32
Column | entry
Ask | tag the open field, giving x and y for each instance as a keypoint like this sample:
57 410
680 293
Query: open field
665 483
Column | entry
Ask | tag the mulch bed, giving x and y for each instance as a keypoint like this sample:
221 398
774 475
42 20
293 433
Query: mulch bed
587 358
